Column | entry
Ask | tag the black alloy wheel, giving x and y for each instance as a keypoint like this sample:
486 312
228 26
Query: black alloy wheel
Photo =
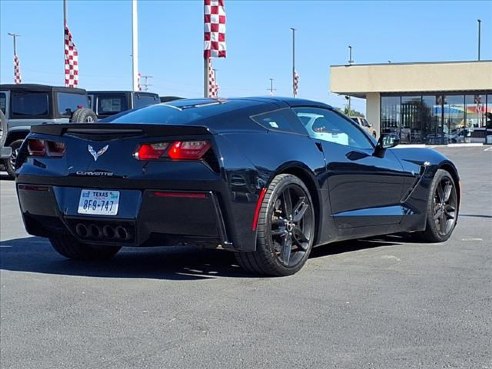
442 209
444 204
286 228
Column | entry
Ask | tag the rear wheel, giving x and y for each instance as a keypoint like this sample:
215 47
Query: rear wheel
69 247
285 230
442 208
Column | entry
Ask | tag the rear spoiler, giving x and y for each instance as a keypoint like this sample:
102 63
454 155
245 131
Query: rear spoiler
88 129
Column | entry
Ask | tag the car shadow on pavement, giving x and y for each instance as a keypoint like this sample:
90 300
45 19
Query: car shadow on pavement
35 255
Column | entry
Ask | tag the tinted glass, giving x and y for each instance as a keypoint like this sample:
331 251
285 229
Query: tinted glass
327 125
3 102
29 104
280 120
141 100
67 103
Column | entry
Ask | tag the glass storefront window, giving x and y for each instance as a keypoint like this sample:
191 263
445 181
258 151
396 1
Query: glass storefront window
390 114
488 112
411 119
438 119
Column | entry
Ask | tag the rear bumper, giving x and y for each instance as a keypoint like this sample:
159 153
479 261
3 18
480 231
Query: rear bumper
150 217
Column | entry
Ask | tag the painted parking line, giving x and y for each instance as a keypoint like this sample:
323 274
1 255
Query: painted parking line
488 149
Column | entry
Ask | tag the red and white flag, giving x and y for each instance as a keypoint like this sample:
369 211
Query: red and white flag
213 87
71 61
17 72
215 29
295 83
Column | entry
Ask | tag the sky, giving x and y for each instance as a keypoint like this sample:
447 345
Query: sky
259 42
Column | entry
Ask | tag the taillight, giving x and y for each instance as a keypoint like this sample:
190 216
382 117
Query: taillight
151 151
192 150
36 147
56 148
177 150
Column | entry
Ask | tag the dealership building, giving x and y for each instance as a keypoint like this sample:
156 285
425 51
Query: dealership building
423 103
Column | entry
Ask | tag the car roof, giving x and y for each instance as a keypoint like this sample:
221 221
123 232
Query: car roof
40 88
247 101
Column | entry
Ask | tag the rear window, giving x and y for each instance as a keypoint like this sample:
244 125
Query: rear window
141 100
111 104
29 104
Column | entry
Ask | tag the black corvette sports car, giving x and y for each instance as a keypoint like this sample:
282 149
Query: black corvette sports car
267 178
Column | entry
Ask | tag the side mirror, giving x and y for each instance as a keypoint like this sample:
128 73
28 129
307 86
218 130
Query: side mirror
386 141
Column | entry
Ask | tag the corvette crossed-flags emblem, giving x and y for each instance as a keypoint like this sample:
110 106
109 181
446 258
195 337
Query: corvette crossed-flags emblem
97 154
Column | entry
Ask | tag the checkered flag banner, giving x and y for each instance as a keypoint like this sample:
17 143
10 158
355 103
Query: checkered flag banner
215 28
213 87
17 73
71 61
295 83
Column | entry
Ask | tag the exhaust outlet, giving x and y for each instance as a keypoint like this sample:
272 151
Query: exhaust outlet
95 231
122 233
81 230
108 231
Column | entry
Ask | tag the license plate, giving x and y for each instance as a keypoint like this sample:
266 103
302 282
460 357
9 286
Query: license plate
99 202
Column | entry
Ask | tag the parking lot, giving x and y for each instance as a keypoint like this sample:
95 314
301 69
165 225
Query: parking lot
379 303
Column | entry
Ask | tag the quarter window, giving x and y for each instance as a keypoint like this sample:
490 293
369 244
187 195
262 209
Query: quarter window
3 103
279 120
68 103
327 125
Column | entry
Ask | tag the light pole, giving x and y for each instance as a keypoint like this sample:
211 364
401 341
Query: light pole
479 27
294 92
350 61
17 77
14 36
271 89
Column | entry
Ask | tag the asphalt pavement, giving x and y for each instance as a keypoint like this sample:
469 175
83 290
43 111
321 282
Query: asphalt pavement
381 303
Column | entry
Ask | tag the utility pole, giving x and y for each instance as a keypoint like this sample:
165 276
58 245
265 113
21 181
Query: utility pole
271 89
479 29
294 92
145 85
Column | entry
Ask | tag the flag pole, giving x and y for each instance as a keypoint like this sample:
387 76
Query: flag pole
293 61
205 77
134 46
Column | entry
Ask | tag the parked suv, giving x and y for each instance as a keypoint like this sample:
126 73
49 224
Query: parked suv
107 103
361 121
27 105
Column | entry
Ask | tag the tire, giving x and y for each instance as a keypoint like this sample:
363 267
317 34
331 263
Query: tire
69 247
83 115
4 128
10 162
442 209
285 230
